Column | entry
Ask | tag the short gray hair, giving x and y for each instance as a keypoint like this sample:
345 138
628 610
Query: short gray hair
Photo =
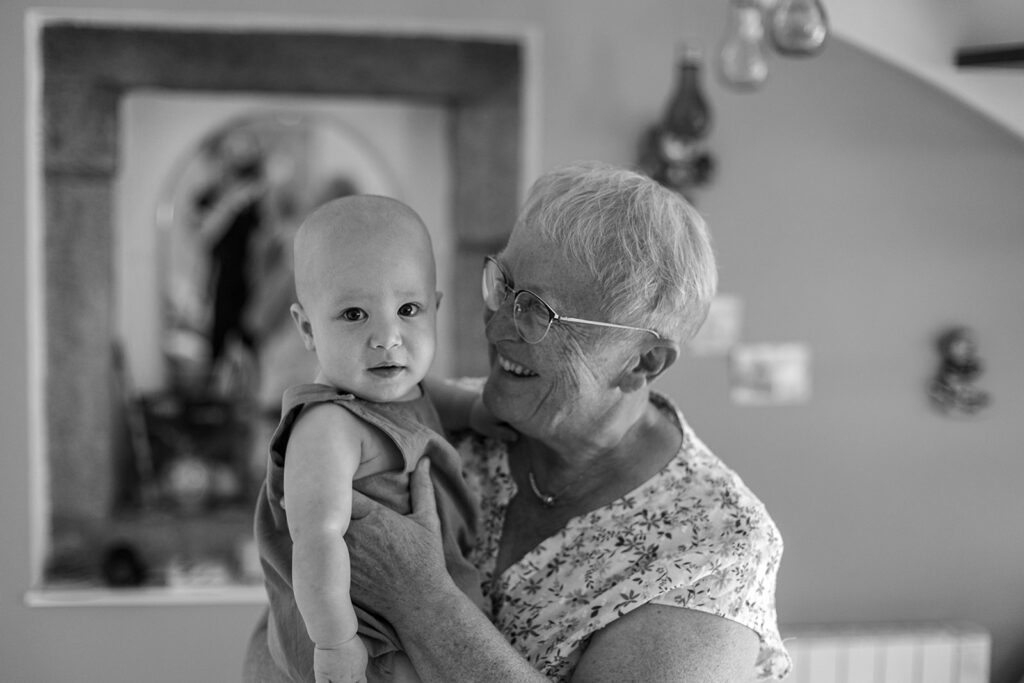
646 244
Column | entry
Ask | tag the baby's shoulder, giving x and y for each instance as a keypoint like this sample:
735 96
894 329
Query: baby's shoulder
344 434
327 425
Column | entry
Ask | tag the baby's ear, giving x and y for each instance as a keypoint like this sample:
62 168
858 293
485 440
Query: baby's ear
303 325
440 295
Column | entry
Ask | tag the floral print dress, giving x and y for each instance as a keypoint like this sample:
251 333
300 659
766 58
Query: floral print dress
692 536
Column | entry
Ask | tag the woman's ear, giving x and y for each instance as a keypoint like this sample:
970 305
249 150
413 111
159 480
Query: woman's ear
649 365
303 325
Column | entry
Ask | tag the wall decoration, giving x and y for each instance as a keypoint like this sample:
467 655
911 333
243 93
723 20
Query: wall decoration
953 391
770 374
790 28
226 217
721 329
674 150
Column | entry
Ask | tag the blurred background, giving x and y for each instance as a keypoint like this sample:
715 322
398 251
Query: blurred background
864 202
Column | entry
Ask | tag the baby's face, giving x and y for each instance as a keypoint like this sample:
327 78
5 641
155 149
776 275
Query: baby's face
373 318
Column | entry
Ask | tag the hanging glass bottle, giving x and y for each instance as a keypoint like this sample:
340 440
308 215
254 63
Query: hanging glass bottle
798 27
687 116
741 57
673 151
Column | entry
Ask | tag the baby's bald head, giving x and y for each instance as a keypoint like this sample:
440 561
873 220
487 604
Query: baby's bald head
380 229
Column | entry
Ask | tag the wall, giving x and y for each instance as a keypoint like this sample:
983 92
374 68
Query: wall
855 209
877 212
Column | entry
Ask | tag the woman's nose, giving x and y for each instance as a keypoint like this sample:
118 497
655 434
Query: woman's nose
498 324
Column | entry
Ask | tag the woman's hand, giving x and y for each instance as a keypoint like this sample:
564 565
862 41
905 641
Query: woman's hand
395 558
398 566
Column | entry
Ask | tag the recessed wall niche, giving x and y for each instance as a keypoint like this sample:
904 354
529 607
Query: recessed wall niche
86 69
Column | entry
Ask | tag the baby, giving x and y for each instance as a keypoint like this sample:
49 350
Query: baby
367 306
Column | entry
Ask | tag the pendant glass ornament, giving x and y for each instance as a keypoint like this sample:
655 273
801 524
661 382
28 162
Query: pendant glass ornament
798 27
673 150
741 58
687 115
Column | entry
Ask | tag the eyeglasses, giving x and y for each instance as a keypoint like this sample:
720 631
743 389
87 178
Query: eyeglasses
532 315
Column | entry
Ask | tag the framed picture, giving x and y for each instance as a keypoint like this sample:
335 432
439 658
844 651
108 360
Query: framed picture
770 374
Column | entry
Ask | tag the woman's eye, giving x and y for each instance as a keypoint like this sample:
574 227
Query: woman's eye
409 310
353 315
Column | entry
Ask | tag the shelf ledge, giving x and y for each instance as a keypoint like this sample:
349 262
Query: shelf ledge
1010 56
146 597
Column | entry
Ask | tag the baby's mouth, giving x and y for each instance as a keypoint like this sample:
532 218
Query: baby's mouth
387 369
515 368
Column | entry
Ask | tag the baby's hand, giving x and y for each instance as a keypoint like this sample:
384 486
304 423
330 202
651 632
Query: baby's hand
482 421
342 663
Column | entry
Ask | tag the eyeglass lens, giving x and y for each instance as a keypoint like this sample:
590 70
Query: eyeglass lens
531 316
495 289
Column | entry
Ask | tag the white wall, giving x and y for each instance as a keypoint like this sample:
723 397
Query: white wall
855 209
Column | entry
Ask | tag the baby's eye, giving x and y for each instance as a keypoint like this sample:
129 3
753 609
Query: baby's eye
353 315
409 310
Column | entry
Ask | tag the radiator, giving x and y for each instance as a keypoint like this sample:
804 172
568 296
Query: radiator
912 653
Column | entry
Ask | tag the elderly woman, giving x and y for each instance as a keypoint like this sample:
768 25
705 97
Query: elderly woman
613 545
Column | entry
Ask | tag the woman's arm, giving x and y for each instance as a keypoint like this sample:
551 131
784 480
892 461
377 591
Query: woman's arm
398 566
671 644
462 408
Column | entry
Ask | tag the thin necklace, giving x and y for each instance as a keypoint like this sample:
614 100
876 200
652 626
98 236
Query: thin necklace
548 500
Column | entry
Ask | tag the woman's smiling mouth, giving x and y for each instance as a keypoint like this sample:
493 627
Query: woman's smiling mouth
515 368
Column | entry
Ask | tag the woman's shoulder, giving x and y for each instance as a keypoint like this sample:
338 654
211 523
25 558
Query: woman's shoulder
729 560
703 485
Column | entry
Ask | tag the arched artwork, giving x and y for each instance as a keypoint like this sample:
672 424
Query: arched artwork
226 218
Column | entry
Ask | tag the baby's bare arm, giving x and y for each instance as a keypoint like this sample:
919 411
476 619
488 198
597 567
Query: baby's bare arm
322 456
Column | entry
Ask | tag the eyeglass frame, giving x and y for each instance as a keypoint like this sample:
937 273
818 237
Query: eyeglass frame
553 316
